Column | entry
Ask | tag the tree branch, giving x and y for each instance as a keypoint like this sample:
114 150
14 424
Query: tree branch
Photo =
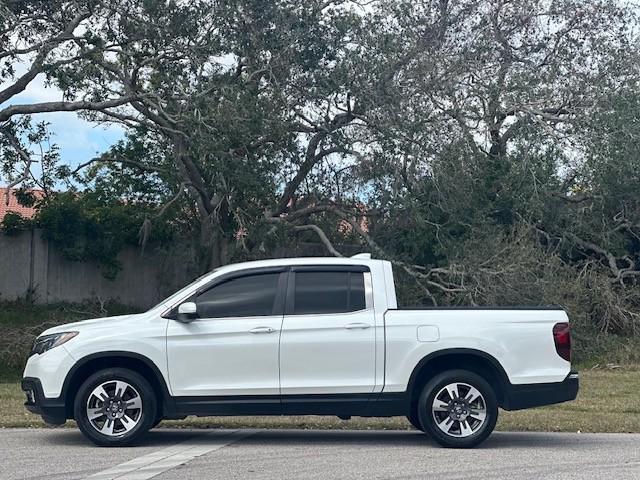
311 159
15 143
46 107
323 237
38 64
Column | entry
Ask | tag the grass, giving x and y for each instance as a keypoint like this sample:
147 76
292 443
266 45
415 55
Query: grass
608 402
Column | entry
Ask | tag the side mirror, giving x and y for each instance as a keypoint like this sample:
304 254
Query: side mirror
187 312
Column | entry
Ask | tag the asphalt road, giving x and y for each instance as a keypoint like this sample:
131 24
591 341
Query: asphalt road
287 454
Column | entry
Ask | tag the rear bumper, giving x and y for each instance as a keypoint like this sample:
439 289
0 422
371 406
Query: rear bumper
52 410
518 397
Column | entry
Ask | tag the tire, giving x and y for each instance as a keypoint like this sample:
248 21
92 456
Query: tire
449 417
115 407
414 420
156 422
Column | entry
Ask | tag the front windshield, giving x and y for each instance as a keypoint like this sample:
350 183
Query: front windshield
179 293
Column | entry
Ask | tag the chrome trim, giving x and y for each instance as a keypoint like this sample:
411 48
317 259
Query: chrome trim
262 330
357 326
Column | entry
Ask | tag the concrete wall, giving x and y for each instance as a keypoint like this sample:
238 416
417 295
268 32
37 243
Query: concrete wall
15 265
29 264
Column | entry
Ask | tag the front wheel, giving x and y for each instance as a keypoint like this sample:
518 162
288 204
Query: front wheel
458 409
115 407
414 420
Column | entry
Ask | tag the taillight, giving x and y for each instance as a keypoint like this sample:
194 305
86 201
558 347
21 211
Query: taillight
562 339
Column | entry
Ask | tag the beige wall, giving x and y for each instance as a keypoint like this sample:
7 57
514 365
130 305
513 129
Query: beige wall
28 261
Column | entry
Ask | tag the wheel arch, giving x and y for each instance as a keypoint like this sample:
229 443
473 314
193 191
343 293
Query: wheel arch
90 364
472 360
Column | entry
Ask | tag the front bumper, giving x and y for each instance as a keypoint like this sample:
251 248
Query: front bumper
52 410
538 394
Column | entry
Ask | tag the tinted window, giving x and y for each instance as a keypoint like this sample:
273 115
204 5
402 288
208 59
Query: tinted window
328 292
241 297
356 292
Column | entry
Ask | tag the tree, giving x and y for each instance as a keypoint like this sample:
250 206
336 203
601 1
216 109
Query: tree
42 38
489 116
215 83
22 144
273 101
48 36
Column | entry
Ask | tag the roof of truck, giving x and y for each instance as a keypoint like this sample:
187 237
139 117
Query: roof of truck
360 259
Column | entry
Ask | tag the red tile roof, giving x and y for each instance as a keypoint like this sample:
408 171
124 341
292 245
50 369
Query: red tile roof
14 206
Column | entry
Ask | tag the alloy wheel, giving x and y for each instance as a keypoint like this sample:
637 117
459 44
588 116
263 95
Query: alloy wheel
459 410
114 408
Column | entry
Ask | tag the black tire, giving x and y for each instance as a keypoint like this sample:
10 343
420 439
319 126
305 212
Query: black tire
427 416
156 422
414 420
145 418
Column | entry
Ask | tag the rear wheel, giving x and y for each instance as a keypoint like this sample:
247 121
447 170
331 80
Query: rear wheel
156 422
115 407
458 409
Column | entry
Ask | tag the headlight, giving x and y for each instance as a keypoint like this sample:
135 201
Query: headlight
47 342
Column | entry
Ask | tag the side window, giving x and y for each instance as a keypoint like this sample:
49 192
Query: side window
356 292
328 292
248 296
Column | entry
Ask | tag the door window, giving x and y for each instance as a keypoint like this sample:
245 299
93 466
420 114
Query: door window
328 292
249 296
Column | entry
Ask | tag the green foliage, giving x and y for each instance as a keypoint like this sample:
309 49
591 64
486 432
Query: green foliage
14 223
86 227
24 144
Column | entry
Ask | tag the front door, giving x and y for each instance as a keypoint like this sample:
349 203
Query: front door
231 348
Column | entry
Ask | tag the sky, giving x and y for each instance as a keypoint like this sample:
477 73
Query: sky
77 139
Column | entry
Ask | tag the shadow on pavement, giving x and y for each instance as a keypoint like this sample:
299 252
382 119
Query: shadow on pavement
540 439
156 438
365 438
164 437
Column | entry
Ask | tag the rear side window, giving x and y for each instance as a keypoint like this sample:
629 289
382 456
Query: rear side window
249 296
328 292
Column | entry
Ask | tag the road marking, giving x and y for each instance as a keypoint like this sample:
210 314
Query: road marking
155 463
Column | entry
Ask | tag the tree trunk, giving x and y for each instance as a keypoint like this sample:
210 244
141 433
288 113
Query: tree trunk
213 246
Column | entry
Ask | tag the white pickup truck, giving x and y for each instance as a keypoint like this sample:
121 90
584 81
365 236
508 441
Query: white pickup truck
300 336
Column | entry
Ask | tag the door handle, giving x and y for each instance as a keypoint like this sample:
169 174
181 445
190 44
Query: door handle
262 330
355 326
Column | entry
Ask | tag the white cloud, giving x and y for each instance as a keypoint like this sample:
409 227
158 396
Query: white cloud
36 91
78 139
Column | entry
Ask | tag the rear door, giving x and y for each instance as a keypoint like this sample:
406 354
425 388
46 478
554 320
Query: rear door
327 344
